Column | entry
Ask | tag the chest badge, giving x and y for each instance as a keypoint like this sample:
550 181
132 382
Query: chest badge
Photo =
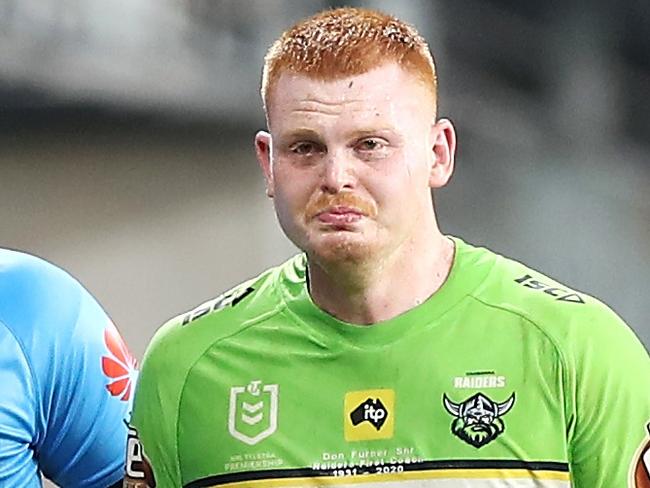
253 412
478 420
369 415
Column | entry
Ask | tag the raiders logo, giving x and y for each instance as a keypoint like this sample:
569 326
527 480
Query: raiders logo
478 419
642 468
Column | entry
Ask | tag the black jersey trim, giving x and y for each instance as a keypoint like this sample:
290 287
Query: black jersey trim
268 474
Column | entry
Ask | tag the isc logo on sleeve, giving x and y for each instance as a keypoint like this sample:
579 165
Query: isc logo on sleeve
369 414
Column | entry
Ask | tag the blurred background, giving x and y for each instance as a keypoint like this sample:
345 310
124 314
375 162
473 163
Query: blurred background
126 132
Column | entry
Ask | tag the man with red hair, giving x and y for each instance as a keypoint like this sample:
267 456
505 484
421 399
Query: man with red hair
386 352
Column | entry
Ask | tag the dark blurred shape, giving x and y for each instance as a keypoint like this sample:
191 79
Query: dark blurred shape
200 59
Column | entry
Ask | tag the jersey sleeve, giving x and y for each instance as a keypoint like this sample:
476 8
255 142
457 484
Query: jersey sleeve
65 376
152 451
609 373
85 443
18 412
153 454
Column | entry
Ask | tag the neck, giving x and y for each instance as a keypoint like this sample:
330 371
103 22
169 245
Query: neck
381 289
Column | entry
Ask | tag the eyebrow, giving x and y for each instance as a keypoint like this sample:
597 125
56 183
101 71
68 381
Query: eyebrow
360 133
301 133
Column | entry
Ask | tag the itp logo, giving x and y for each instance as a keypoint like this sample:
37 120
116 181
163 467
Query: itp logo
372 411
369 414
119 366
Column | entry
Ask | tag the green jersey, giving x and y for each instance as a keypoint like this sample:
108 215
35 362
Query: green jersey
502 378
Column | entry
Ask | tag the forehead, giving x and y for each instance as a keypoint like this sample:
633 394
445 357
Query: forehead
385 91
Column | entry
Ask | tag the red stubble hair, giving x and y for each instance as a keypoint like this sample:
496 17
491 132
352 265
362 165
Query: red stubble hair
344 42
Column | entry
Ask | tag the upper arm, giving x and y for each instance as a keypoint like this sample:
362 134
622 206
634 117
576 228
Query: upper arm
56 414
92 384
18 413
152 451
612 403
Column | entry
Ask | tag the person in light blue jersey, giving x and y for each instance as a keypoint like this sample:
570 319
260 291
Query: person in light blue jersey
66 380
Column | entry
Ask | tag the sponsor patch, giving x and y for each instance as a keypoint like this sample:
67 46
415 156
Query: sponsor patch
369 414
478 419
119 366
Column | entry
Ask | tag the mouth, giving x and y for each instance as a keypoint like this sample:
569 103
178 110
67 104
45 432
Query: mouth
339 216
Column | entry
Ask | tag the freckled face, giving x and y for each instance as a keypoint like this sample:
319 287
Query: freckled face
348 161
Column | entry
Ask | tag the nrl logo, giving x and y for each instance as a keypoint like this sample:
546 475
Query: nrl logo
253 413
478 419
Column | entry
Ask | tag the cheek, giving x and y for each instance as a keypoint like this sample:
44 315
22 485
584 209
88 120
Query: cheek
295 180
399 187
291 195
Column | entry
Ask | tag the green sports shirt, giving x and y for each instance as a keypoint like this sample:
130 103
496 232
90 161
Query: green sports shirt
502 378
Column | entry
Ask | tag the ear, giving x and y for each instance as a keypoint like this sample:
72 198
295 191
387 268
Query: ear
443 137
263 153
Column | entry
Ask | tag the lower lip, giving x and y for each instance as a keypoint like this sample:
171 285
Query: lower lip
339 218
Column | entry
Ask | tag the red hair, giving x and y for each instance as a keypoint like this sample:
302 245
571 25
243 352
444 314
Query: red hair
344 42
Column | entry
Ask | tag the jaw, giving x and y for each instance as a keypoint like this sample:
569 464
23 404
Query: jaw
354 261
339 247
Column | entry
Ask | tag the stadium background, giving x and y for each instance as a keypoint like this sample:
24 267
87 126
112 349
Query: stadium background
126 149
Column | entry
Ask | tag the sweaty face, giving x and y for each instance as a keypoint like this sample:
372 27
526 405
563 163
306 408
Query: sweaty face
349 161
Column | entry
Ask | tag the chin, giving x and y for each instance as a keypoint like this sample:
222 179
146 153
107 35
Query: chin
341 247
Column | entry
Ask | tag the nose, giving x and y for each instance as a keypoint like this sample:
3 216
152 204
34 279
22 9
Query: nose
337 173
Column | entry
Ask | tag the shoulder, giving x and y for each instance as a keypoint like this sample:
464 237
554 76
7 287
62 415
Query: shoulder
51 315
25 274
188 335
63 340
36 294
569 318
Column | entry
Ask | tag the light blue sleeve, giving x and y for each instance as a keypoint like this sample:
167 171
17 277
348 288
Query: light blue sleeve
82 375
18 412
